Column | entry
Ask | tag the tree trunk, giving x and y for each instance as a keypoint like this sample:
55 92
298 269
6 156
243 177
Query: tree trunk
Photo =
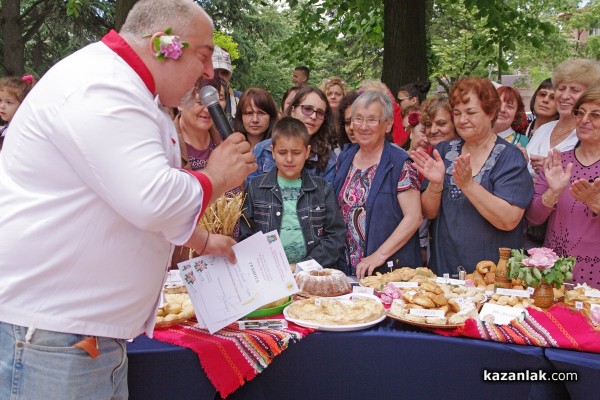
13 58
404 43
123 7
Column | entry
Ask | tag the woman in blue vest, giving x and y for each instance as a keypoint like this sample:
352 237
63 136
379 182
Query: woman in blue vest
378 193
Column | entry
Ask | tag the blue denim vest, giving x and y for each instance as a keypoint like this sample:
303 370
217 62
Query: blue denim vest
383 211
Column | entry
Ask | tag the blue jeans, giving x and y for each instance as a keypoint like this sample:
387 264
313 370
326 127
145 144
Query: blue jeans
47 366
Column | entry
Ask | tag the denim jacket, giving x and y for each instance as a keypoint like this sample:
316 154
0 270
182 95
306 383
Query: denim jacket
383 211
265 162
318 213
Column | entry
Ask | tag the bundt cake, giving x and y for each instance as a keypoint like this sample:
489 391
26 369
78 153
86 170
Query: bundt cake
326 282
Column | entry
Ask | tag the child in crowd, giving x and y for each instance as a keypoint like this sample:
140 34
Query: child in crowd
300 76
300 206
12 93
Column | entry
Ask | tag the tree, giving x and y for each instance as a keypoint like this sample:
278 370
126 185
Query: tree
335 22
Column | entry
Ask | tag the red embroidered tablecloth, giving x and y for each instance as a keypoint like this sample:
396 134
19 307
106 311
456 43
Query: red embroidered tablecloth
231 356
559 326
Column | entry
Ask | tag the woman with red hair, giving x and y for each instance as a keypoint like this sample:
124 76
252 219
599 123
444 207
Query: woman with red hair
479 186
510 116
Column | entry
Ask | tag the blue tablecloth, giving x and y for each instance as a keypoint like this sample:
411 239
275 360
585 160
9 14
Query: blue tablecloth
587 366
391 360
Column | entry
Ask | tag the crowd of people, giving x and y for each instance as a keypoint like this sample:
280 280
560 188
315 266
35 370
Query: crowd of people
111 158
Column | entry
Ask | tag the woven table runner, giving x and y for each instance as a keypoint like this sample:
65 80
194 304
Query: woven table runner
559 327
231 357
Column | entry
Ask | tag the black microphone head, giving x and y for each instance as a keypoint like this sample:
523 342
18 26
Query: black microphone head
208 95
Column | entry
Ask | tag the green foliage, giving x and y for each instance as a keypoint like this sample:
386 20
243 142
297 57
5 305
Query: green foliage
227 43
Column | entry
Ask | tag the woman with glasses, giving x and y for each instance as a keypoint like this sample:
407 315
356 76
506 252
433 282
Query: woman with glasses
256 115
570 79
413 94
378 193
311 107
542 106
478 187
437 120
567 194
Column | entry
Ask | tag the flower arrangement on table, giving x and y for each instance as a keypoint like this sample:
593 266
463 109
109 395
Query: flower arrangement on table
542 265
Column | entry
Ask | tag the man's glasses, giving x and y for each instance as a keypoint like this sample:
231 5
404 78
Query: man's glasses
593 117
310 110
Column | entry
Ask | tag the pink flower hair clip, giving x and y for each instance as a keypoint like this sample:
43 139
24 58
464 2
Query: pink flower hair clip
169 46
27 79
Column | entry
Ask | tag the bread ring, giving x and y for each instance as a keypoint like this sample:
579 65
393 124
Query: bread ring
483 267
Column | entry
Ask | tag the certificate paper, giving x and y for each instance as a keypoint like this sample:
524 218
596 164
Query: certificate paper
222 292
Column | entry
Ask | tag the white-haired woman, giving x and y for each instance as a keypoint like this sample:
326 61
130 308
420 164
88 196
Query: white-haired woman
378 193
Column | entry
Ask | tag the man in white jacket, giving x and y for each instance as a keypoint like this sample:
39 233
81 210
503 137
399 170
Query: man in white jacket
92 201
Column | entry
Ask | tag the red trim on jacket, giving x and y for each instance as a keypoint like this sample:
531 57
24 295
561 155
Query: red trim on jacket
116 43
207 189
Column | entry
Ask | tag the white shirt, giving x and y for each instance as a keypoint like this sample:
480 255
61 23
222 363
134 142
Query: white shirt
539 144
91 198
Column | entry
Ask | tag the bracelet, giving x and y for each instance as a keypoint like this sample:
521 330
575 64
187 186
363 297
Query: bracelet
205 243
546 203
435 191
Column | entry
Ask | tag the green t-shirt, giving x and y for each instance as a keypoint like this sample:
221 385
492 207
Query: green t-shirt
291 232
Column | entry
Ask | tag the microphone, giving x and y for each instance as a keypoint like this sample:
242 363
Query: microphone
210 98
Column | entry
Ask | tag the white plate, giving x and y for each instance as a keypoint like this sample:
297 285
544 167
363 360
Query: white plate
338 328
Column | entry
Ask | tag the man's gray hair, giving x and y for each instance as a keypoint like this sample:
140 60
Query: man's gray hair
371 96
150 16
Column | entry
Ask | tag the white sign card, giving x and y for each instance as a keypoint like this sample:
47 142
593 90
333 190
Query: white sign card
222 292
308 265
500 315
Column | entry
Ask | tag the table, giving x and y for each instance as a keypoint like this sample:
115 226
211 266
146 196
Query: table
390 359
587 366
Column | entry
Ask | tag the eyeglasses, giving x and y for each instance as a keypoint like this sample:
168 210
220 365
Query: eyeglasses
310 110
347 122
593 117
405 98
358 121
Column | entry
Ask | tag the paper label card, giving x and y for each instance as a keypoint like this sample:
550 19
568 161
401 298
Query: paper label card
403 285
308 265
362 289
500 315
513 292
421 312
592 293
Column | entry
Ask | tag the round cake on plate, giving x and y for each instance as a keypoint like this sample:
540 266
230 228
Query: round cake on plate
326 282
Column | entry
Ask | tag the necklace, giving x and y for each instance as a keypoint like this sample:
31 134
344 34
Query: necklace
556 138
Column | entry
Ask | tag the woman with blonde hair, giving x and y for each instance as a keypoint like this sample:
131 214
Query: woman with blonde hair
570 79
567 194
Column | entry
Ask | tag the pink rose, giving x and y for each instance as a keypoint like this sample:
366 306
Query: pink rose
541 258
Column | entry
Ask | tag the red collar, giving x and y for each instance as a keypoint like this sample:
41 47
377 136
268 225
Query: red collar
117 44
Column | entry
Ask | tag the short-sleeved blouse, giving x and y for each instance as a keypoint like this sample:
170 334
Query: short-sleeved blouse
573 228
353 199
461 235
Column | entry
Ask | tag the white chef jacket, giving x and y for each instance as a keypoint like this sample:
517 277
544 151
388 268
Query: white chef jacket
91 197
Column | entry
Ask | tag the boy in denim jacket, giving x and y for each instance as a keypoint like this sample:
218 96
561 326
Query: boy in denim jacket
302 207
